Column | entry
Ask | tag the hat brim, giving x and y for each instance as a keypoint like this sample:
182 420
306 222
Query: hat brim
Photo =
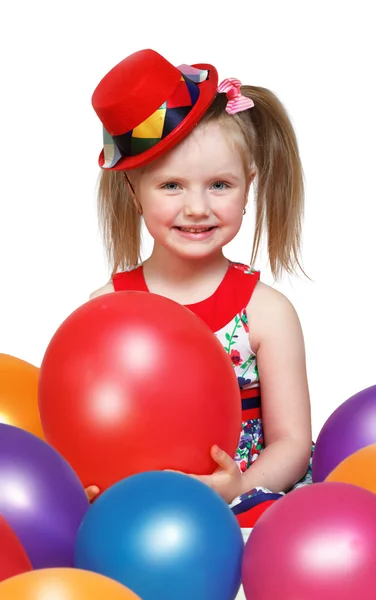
208 89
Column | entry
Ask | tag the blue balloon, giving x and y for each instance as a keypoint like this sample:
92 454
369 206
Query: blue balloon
166 536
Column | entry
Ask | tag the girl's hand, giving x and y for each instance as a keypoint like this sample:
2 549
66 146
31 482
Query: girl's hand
92 491
227 480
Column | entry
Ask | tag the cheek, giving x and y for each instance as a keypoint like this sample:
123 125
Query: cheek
160 213
232 210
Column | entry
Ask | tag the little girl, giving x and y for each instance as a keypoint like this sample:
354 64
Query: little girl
181 152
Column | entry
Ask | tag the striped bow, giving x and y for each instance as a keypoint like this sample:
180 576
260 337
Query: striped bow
236 101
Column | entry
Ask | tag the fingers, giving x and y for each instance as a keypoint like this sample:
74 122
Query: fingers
187 474
224 460
92 491
173 471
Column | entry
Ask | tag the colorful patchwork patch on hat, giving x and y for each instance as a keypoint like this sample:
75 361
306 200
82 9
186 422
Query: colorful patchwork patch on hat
160 123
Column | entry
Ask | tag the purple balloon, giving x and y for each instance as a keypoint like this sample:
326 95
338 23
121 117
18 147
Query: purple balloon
351 427
41 497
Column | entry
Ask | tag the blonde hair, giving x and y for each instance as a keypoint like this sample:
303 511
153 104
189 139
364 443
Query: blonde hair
269 142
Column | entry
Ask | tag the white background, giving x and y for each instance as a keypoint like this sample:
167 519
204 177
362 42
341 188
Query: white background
318 57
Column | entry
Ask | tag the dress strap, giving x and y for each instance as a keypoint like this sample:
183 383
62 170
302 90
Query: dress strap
132 280
231 297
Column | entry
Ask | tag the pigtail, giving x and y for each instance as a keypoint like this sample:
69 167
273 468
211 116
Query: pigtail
266 139
119 220
280 182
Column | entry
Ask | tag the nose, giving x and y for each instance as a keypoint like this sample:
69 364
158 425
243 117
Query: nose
196 205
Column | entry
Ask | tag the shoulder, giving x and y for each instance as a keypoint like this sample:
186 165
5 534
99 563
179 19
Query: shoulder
267 299
106 289
271 314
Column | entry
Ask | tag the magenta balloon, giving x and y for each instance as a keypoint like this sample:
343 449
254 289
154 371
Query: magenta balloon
350 427
41 497
315 543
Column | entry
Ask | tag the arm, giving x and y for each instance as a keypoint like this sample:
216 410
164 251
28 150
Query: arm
278 340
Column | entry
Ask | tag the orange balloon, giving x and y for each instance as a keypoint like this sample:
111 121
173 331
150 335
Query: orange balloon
19 394
63 584
358 468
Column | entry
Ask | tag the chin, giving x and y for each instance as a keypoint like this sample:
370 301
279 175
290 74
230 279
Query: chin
193 254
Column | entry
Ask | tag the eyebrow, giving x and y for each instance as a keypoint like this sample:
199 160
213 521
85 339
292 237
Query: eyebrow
226 175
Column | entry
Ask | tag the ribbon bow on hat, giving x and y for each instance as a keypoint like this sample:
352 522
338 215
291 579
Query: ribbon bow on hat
236 101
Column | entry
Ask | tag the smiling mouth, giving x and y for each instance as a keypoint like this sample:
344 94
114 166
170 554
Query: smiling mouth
195 229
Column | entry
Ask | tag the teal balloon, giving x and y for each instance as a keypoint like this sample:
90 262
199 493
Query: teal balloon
166 536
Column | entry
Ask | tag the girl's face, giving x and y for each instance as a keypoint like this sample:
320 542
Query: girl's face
193 197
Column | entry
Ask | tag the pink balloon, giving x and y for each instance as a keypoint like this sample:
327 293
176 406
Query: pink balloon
315 543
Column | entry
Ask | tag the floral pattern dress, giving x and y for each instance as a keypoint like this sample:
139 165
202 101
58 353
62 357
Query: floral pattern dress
234 338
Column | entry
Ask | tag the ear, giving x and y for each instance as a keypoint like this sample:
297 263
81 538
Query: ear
251 175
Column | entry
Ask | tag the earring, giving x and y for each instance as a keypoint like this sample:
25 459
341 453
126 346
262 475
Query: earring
244 210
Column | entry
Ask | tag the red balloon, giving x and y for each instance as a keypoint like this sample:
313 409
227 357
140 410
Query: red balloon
13 558
132 382
316 543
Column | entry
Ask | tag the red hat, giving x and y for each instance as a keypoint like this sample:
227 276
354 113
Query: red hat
147 106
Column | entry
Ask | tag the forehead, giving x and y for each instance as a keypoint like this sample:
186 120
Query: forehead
206 147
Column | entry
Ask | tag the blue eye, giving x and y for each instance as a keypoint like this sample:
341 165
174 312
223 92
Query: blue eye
220 185
170 186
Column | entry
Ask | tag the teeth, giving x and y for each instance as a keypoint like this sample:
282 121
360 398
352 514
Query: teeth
194 230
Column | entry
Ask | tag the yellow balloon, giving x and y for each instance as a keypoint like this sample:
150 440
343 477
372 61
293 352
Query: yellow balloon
358 468
63 584
19 394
